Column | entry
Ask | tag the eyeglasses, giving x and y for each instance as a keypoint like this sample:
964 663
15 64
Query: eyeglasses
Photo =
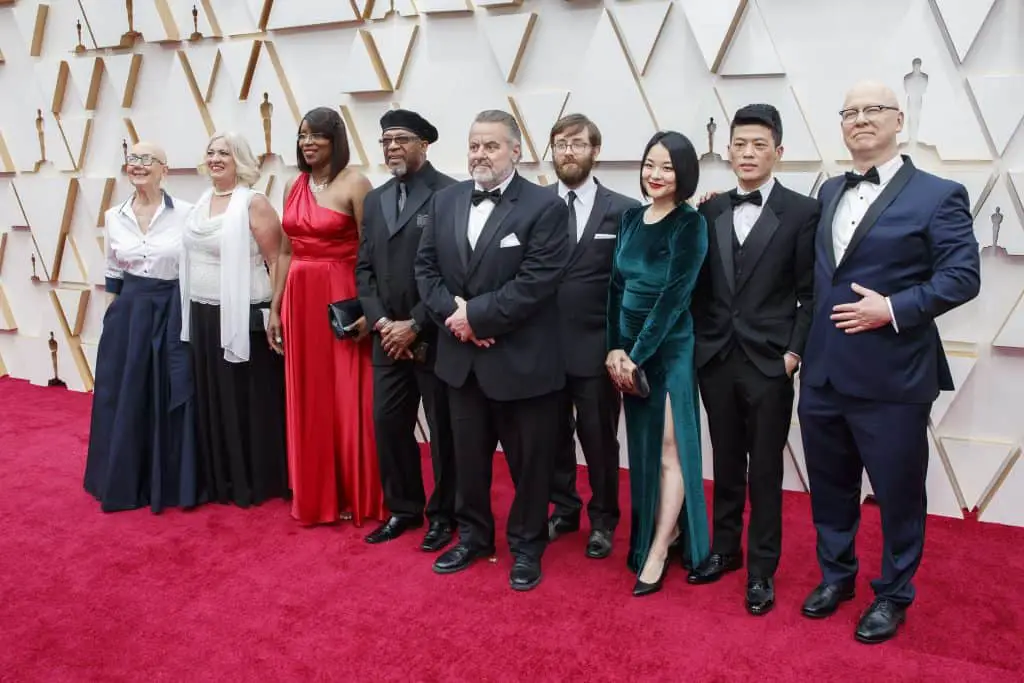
401 140
303 138
577 146
142 160
872 112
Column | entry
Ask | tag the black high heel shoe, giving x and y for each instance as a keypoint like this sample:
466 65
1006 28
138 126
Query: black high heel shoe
641 588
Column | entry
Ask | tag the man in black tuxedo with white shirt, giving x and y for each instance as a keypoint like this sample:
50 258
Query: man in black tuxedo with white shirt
751 313
394 216
489 263
594 215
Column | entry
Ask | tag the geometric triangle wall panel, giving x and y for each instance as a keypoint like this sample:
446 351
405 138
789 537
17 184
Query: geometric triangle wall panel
942 497
963 20
537 113
1006 503
713 23
640 26
1000 99
751 51
508 35
976 466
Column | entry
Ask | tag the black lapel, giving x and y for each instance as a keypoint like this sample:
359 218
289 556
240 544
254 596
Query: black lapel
889 194
597 216
494 221
761 233
724 231
828 217
389 205
461 225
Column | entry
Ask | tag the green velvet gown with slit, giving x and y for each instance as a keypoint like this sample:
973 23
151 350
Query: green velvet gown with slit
653 276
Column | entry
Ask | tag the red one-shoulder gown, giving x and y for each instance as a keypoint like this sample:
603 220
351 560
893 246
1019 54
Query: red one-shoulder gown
332 453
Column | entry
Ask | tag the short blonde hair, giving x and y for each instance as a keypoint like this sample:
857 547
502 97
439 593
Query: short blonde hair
247 169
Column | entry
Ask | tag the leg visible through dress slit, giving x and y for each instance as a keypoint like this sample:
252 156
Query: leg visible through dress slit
670 499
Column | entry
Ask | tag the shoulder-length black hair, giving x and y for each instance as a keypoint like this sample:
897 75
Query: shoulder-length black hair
684 163
326 121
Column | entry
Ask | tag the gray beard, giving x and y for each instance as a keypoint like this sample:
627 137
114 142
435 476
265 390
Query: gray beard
399 171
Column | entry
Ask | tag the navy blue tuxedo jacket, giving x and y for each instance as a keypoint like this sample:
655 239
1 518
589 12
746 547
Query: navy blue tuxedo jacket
916 245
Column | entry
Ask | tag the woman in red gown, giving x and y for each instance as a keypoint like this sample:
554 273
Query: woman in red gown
332 454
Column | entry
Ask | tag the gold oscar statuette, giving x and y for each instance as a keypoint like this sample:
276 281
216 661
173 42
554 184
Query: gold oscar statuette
129 39
196 35
55 381
79 48
35 278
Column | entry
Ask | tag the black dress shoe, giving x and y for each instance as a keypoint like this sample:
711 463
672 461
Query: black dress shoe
393 528
880 622
459 558
760 595
824 600
438 536
562 525
641 588
715 567
525 573
599 545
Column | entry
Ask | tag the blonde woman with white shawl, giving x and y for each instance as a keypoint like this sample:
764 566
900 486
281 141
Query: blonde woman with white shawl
231 235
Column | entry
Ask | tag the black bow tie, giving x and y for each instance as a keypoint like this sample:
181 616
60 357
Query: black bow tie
480 195
855 179
753 197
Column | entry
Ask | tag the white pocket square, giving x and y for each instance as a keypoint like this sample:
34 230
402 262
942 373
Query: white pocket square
509 240
604 236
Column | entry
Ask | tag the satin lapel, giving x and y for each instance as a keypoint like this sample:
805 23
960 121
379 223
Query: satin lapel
418 195
494 221
723 230
757 241
597 216
461 225
389 206
828 217
889 194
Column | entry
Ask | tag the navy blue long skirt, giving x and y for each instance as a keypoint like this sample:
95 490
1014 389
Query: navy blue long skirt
142 437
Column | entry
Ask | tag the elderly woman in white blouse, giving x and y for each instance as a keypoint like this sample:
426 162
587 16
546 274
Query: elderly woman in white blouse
141 440
231 235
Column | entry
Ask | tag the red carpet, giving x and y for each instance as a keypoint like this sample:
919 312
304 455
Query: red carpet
244 595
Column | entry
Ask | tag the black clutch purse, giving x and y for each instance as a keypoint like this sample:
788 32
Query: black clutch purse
641 388
343 316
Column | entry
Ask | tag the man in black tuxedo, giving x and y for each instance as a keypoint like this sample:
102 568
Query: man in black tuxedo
394 216
594 214
488 269
751 313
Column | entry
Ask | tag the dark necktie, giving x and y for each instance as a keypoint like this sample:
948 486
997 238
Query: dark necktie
753 197
571 198
855 179
480 195
401 197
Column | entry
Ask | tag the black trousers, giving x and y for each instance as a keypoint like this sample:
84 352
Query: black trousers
596 423
397 390
528 430
749 415
844 436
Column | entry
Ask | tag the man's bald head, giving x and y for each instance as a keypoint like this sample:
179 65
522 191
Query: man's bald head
154 150
873 91
871 122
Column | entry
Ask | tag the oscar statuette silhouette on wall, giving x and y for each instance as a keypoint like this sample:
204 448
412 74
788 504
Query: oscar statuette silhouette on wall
997 224
35 278
79 48
196 35
42 139
915 84
712 127
124 155
129 39
266 112
55 381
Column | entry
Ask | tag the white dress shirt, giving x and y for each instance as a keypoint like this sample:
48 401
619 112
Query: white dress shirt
154 253
479 214
746 214
584 205
853 204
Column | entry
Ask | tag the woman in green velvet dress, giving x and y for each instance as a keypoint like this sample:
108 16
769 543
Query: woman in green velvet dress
660 251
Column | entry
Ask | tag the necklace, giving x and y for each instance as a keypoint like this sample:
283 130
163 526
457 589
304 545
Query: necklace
316 187
223 193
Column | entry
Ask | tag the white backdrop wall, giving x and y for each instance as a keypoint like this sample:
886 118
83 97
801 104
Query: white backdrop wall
74 88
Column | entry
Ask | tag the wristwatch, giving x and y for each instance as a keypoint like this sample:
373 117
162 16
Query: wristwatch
384 320
415 327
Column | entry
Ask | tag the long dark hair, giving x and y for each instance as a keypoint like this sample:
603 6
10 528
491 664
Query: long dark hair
684 163
326 121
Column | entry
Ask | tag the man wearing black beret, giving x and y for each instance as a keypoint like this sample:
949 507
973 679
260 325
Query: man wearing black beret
394 215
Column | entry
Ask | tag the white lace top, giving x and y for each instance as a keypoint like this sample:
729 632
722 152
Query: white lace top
202 240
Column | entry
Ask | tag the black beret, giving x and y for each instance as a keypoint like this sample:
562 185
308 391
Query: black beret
409 120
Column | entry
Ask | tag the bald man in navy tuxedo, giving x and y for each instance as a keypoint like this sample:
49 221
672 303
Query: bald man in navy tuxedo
895 249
